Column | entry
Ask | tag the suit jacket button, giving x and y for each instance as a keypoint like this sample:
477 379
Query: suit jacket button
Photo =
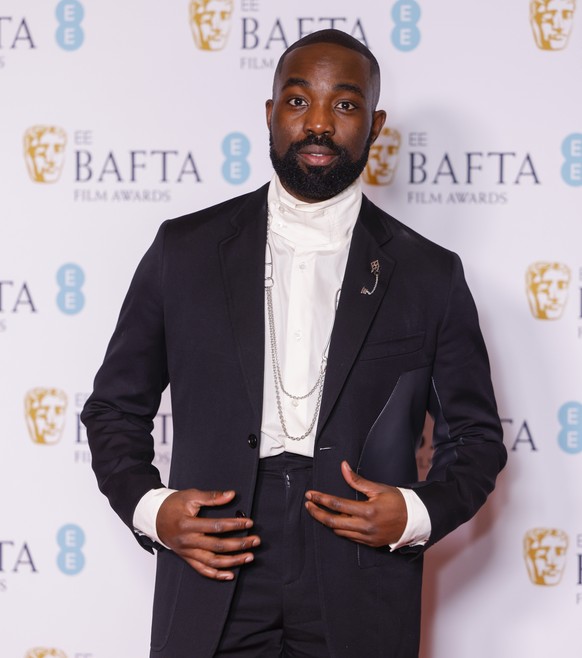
252 441
239 514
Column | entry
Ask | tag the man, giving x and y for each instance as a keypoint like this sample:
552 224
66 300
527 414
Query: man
304 333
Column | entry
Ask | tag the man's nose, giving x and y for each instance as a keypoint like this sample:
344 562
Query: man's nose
319 120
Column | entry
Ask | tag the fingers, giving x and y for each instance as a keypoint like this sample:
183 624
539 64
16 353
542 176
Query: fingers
215 566
195 525
215 544
360 483
205 543
211 498
336 504
361 530
212 556
378 521
194 499
342 519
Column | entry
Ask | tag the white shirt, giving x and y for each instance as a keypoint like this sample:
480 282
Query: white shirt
308 247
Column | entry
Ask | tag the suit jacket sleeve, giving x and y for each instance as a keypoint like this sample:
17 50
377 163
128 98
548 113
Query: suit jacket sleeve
468 449
119 414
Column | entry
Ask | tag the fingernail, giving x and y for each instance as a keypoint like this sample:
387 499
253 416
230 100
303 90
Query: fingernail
249 558
226 576
256 542
349 467
308 495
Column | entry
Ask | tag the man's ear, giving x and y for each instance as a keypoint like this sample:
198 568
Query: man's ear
378 121
269 110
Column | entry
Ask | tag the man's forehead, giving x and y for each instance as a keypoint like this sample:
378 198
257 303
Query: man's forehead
299 61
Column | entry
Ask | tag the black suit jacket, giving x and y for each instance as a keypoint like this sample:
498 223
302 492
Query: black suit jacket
194 317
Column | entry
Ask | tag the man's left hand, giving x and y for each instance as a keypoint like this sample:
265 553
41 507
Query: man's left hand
376 522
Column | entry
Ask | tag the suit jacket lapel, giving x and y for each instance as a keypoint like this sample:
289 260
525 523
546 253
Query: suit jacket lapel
242 257
356 310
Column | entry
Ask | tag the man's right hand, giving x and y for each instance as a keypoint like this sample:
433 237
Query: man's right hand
199 541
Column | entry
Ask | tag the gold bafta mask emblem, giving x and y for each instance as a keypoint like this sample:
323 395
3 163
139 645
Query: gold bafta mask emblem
383 158
45 410
547 289
210 23
544 551
41 652
551 22
44 152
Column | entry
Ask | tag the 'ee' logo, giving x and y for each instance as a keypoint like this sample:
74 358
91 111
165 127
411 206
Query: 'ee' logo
570 437
406 35
70 35
71 539
70 299
572 152
236 147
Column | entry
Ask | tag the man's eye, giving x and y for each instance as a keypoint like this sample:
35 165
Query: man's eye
297 102
346 105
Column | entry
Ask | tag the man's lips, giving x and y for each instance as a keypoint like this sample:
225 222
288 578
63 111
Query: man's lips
317 156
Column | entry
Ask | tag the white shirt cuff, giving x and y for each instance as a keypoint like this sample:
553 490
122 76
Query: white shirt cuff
418 527
146 512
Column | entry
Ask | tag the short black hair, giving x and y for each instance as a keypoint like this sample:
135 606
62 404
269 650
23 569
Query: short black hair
338 38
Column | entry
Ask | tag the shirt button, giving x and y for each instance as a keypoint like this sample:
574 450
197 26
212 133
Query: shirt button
298 335
302 266
252 441
239 514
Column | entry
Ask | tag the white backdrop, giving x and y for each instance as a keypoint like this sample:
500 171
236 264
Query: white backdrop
114 118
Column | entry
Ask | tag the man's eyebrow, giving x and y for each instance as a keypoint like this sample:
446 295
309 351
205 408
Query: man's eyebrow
295 82
347 86
341 86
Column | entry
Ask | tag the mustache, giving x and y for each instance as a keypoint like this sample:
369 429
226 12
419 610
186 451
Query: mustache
314 140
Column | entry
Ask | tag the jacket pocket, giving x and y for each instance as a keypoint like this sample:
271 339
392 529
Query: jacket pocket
394 347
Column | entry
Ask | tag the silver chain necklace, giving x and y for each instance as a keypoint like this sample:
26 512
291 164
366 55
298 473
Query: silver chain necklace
277 376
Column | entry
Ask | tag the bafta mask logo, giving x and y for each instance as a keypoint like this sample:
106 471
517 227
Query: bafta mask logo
44 153
551 22
210 23
383 158
547 289
41 652
45 414
544 552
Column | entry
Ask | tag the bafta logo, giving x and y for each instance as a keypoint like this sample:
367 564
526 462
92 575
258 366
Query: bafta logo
547 289
44 153
551 22
544 552
41 652
45 414
383 158
210 23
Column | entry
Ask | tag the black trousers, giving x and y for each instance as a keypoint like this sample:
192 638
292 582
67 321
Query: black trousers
276 607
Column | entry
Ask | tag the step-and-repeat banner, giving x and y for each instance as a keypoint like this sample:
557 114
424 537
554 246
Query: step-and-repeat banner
118 115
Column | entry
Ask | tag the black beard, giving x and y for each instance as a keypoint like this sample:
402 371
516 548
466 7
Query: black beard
317 183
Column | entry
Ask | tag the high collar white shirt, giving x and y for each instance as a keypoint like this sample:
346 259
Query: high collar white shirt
306 255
